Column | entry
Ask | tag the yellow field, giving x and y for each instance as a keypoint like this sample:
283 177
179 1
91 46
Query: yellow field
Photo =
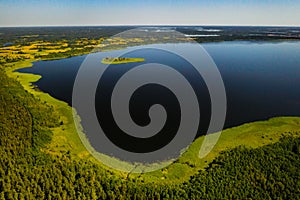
18 52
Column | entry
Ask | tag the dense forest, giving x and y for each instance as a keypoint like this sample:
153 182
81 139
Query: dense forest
23 35
26 172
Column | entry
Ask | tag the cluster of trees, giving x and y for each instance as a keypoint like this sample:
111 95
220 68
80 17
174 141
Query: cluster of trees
13 58
69 53
269 172
24 120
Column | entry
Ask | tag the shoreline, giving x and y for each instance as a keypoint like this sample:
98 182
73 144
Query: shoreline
66 138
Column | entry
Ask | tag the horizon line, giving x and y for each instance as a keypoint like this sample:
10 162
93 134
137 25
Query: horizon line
128 25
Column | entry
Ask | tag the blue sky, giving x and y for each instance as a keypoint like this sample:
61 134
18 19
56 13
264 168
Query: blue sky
147 12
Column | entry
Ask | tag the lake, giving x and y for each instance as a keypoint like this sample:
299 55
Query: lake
261 80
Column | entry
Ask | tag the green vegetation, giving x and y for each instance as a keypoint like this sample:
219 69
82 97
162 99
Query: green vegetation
25 121
251 135
121 60
30 171
66 139
27 172
42 156
19 44
268 172
64 136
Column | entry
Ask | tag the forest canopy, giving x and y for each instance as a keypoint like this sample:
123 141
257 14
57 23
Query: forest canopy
26 172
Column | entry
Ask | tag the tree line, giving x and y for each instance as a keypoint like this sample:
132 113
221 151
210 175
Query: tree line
268 172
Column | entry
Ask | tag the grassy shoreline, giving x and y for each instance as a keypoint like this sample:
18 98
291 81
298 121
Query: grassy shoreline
66 139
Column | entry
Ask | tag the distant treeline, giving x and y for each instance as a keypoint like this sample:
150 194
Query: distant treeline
269 172
25 35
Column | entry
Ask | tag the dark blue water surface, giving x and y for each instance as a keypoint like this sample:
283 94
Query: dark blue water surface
261 79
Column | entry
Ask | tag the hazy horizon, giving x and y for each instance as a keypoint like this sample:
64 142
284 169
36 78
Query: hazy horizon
149 13
149 25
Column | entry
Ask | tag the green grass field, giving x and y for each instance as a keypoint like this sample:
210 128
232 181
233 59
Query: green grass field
251 135
66 138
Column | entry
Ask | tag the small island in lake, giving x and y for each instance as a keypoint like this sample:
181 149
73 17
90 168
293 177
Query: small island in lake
121 60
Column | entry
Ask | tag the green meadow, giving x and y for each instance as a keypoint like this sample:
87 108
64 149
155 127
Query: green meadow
66 138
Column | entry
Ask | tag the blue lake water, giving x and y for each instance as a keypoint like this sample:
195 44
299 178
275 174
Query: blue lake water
261 80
